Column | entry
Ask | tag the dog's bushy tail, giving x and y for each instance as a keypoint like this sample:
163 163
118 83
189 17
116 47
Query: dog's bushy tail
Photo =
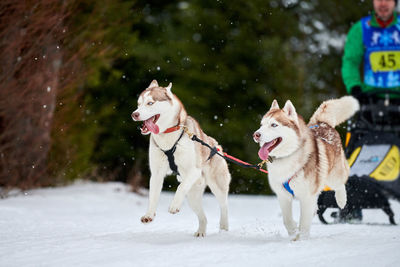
334 112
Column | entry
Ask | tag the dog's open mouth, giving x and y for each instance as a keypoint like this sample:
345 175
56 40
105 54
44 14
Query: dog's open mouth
268 147
150 125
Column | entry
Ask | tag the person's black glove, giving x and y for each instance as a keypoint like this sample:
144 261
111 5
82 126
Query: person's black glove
357 93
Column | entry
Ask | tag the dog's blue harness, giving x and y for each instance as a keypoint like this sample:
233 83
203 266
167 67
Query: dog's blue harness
287 186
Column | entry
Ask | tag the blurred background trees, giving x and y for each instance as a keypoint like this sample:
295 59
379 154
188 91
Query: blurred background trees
227 61
30 77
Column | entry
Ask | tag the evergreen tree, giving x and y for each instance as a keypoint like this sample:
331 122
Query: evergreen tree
227 61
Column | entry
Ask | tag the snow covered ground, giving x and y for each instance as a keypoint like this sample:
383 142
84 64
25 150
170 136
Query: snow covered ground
92 224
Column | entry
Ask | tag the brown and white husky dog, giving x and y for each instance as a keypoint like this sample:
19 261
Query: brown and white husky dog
164 117
306 158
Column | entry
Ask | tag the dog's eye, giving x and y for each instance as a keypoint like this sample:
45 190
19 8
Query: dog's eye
274 125
150 103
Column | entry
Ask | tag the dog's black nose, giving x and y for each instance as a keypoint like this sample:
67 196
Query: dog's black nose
256 136
135 116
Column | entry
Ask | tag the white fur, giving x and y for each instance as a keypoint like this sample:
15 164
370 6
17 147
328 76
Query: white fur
347 105
195 171
293 154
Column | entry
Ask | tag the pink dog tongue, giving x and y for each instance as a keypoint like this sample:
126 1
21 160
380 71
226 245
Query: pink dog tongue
263 152
151 126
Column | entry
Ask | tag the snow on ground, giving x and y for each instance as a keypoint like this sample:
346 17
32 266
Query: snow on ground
92 224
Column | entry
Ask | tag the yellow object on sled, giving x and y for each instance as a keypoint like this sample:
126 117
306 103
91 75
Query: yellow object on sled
381 162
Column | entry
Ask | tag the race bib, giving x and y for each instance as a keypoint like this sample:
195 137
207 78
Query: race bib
385 61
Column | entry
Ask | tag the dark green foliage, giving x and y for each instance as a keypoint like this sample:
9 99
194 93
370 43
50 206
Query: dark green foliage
227 61
95 36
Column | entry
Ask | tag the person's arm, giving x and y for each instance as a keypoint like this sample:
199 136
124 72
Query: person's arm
352 58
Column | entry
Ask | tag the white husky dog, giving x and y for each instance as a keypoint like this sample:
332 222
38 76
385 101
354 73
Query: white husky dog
305 158
173 151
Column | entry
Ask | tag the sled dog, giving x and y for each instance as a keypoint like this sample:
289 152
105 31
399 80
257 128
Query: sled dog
305 158
172 151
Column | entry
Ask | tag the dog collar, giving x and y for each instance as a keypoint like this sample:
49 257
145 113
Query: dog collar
172 129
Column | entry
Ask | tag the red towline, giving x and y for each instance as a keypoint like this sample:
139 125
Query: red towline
243 162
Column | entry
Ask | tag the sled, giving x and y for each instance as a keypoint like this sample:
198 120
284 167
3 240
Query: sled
372 148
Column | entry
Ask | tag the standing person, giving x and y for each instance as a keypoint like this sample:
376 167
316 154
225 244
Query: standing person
373 43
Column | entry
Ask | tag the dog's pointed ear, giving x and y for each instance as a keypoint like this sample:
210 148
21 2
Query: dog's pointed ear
274 105
290 110
154 83
168 88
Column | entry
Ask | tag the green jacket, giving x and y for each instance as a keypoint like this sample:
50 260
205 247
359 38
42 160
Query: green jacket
354 54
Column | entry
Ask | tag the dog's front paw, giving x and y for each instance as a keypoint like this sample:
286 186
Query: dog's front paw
224 226
173 209
147 218
293 233
200 234
175 206
295 237
292 229
300 236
